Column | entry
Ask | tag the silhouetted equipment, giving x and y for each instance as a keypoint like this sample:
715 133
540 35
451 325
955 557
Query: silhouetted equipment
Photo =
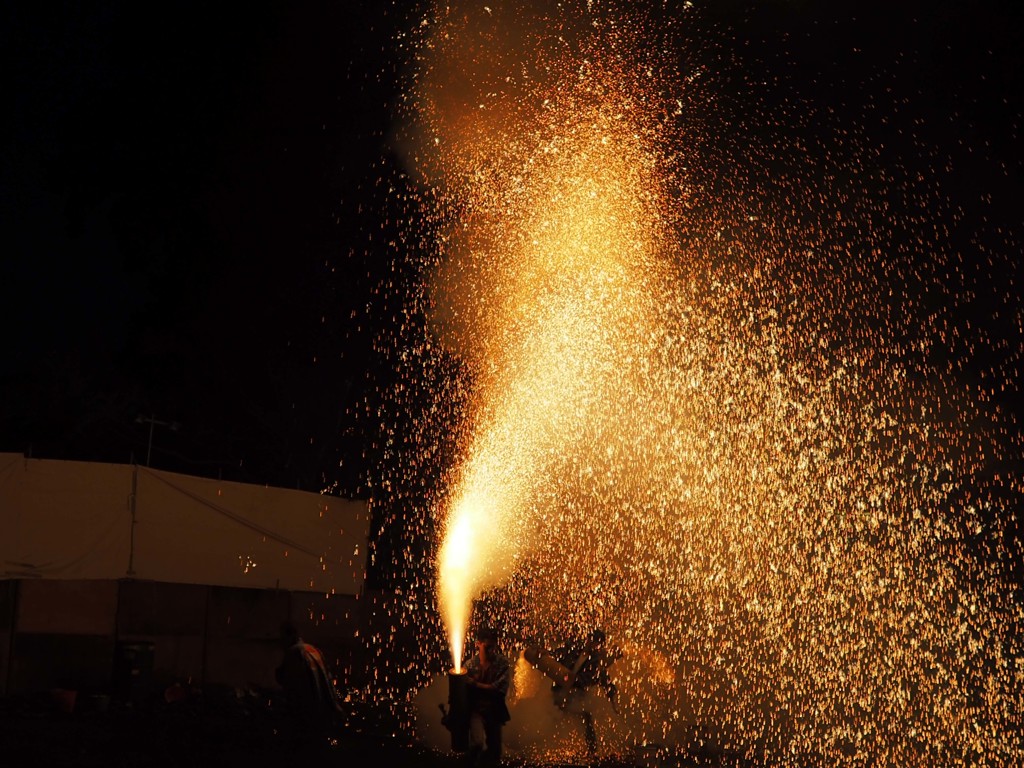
133 671
456 717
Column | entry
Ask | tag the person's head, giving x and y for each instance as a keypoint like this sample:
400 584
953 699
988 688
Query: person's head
486 642
289 634
597 638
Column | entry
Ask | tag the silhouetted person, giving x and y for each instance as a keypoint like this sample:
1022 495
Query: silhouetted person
309 699
589 663
488 675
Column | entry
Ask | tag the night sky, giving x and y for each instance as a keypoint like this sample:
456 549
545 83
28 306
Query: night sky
197 205
190 205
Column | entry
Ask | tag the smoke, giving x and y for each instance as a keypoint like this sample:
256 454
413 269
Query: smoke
427 702
477 84
540 731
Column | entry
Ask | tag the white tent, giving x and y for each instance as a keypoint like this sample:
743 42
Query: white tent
81 520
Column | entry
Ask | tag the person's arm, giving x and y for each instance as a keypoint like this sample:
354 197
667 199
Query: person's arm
500 682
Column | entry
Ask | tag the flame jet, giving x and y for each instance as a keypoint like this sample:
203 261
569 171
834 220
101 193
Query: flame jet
572 295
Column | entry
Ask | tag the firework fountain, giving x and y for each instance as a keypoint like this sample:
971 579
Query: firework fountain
696 417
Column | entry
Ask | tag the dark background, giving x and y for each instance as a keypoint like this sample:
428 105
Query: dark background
199 203
190 214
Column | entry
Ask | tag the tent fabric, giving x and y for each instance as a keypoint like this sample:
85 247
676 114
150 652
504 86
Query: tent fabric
74 520
63 520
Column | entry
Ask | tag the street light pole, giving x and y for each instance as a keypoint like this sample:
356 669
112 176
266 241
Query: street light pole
153 422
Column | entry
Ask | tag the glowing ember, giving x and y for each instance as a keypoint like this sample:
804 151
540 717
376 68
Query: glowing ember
695 415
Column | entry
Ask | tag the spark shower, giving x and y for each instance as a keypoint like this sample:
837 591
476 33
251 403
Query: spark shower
708 394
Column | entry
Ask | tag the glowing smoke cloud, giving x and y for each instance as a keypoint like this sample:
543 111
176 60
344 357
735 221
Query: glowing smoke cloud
700 422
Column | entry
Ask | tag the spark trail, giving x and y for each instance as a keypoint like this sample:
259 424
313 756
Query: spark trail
697 418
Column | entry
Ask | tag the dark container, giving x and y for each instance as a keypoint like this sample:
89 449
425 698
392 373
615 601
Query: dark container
133 671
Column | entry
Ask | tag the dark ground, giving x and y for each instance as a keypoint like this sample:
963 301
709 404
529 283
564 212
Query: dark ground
229 730
224 728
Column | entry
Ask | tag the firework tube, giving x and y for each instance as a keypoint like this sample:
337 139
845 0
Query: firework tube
456 719
549 665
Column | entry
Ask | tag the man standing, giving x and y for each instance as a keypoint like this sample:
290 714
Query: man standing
588 666
488 678
310 699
